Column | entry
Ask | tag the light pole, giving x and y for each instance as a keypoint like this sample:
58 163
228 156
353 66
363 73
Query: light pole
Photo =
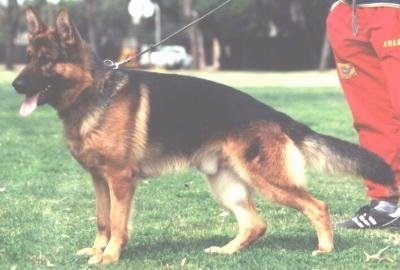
157 18
139 9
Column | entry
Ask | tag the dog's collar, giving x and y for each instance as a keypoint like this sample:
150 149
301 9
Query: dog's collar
113 82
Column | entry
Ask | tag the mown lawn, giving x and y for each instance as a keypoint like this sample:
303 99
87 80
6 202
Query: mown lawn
47 201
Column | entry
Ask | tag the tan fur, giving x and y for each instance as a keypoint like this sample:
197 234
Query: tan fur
279 179
324 159
295 164
235 195
90 122
78 74
139 137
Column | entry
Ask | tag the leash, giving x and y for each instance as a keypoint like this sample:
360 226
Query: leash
115 65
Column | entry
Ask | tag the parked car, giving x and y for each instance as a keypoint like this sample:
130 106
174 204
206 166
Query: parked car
170 56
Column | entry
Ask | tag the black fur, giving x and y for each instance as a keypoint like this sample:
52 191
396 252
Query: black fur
186 110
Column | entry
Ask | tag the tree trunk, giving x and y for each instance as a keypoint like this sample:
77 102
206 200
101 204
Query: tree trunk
216 54
196 38
325 54
12 27
91 7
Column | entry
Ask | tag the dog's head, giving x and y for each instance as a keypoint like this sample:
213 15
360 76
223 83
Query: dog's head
55 62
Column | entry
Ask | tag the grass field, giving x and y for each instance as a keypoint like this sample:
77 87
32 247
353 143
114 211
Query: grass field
47 201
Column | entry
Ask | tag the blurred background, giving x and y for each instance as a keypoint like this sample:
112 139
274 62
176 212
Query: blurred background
243 35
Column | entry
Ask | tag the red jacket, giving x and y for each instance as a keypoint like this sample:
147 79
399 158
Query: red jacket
373 2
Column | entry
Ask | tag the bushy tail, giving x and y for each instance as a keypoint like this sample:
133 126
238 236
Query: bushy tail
331 154
334 155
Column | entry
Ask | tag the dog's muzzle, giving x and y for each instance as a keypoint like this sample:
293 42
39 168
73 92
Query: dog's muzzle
19 85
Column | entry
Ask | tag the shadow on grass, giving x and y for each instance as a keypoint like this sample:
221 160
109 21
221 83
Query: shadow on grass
303 243
300 242
167 246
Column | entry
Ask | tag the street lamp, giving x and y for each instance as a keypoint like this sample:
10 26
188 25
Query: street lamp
139 9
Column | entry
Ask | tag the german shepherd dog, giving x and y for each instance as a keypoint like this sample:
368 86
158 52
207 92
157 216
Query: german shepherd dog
125 125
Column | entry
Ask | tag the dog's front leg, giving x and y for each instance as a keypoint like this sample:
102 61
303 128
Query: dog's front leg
103 220
121 184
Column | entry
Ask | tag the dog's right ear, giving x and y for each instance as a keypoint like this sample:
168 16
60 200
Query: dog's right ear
34 23
66 30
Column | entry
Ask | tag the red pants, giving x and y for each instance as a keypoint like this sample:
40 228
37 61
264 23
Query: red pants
368 66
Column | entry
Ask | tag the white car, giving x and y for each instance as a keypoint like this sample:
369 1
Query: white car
171 57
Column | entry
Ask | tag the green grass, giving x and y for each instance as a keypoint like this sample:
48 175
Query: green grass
47 201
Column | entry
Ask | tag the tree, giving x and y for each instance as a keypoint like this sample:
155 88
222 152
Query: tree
90 16
258 34
325 54
268 34
103 23
12 28
196 39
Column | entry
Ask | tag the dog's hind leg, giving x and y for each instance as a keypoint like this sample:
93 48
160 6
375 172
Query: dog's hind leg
272 165
316 211
283 183
235 195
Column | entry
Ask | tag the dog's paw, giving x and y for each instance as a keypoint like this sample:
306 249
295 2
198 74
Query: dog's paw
219 250
107 259
95 259
95 256
102 259
323 248
86 252
212 250
319 252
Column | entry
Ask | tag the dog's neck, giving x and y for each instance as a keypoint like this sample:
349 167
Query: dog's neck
95 97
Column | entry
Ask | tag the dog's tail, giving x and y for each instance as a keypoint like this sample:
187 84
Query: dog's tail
331 154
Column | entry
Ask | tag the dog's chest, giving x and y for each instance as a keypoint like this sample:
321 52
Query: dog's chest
88 157
97 148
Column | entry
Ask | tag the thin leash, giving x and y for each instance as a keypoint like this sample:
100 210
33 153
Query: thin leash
115 65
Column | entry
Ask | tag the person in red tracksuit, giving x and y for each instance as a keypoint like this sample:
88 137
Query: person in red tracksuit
365 40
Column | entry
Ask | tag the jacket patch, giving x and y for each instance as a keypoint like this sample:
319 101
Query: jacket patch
346 70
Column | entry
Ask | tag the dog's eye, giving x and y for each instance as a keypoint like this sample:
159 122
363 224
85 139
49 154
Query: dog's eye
46 64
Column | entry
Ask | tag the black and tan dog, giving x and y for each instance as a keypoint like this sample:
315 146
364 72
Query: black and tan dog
124 125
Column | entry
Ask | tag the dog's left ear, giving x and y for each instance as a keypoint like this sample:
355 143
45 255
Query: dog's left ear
66 30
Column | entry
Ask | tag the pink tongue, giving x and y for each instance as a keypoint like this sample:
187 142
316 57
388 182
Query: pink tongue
29 105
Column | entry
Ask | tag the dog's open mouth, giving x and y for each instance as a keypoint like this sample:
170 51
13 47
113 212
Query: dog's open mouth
31 102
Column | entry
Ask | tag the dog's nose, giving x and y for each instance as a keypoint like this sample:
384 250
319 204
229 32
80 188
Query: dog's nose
19 84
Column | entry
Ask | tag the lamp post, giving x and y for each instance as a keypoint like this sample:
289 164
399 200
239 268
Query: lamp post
157 18
139 9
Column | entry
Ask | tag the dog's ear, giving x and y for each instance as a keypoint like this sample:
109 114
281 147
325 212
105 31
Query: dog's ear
34 23
66 30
